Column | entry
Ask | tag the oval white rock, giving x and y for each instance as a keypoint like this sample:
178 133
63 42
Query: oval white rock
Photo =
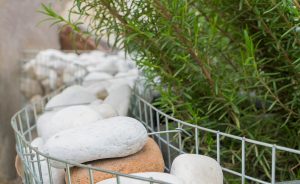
67 118
153 175
43 121
119 98
108 138
197 169
58 175
73 95
37 142
97 76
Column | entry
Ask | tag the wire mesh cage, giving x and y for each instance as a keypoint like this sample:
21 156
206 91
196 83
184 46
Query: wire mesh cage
173 136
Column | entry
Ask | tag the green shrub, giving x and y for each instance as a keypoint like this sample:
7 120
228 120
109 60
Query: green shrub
228 65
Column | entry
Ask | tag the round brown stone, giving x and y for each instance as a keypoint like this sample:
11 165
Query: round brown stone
149 159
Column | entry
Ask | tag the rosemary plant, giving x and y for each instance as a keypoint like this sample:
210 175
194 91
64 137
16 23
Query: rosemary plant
230 65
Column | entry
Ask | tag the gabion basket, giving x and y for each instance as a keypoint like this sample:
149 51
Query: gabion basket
170 133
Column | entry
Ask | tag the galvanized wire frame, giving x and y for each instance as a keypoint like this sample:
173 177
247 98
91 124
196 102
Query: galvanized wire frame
143 110
24 126
157 123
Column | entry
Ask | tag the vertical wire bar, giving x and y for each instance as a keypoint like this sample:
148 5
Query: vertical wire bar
146 114
158 128
140 110
218 147
49 171
34 112
27 163
20 123
151 182
151 119
24 153
68 173
179 138
15 125
39 167
196 141
28 124
17 144
32 161
118 179
243 160
26 177
91 176
168 142
273 164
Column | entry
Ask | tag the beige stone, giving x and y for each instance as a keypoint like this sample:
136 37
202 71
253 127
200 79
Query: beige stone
102 94
36 101
30 72
46 86
30 87
19 166
149 159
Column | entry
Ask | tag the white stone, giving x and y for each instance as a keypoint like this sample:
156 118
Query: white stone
69 117
105 110
197 169
43 121
71 73
58 175
96 102
107 66
73 95
98 87
37 142
149 175
108 138
96 77
52 76
129 76
93 57
122 66
119 98
42 72
45 56
133 73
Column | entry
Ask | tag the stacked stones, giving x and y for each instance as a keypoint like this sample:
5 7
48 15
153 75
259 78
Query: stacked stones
52 69
88 124
77 126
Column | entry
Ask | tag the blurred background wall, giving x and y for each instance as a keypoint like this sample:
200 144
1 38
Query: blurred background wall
18 31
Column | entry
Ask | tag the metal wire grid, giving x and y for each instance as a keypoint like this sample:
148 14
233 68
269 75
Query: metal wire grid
158 125
155 120
24 126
